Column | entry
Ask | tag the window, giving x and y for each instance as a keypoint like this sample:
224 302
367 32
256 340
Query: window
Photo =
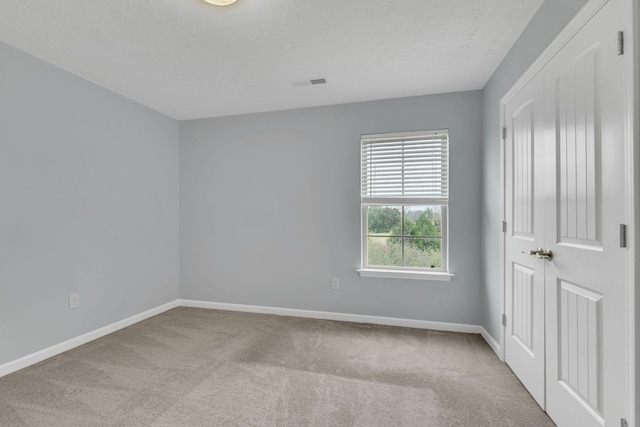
404 196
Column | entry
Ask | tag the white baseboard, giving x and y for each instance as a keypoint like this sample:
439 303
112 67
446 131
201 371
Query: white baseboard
329 315
344 317
54 350
492 343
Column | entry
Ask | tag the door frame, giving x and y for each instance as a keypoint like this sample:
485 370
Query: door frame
632 51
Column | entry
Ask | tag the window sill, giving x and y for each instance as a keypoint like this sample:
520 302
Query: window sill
440 276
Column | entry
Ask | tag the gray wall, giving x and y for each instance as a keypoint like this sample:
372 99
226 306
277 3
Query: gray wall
270 209
550 19
269 202
89 204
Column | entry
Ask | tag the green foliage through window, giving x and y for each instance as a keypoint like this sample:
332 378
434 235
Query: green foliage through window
382 219
414 242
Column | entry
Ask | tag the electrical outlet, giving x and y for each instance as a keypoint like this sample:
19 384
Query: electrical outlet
335 283
74 301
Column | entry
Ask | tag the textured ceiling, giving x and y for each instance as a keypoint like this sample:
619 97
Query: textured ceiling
188 59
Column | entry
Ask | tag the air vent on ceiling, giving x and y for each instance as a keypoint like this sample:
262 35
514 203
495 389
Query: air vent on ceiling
309 82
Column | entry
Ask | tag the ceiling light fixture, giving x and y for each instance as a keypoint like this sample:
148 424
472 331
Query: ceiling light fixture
221 2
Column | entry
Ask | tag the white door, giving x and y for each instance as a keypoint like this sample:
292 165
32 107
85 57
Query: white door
586 201
566 175
524 272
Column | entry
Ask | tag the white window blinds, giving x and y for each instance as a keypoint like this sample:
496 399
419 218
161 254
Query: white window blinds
411 167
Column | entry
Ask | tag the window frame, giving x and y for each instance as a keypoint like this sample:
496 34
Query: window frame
402 272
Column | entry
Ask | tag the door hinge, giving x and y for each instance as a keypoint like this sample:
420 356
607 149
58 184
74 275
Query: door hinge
504 319
623 235
624 422
504 226
504 133
620 42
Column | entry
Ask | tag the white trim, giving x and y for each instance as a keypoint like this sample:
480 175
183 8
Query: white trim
397 135
632 42
342 317
503 229
444 244
54 350
404 201
354 318
364 225
438 276
492 342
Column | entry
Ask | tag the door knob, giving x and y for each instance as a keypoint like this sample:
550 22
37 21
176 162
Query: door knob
541 253
545 254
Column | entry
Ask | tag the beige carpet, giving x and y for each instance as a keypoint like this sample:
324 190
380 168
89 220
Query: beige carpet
197 367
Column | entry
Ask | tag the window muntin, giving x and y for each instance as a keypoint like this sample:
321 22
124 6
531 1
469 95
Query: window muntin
404 195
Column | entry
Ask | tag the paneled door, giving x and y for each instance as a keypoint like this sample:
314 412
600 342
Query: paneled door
524 271
585 204
566 204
